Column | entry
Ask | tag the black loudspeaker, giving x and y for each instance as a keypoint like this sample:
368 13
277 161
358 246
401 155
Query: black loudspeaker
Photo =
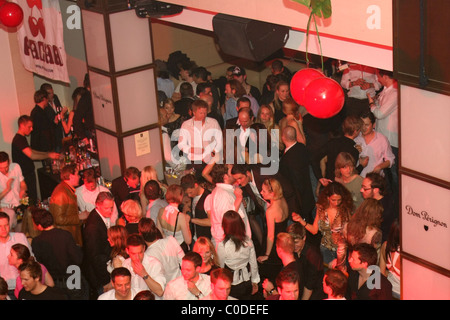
248 39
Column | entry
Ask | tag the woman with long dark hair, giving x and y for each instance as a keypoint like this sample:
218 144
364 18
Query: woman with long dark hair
237 253
334 206
117 238
363 227
20 254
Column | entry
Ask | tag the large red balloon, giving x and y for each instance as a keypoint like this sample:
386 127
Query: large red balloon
300 81
324 98
11 14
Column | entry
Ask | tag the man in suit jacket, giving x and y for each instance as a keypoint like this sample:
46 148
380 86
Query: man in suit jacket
55 113
294 166
63 203
96 247
42 136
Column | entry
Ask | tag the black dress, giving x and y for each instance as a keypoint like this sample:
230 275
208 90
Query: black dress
172 126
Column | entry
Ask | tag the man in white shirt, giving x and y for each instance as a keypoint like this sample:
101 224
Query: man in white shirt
385 109
224 197
166 250
121 283
245 116
376 153
7 240
200 137
146 271
12 187
88 192
191 285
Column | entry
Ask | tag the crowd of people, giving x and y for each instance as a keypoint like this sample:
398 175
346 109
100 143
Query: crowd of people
272 203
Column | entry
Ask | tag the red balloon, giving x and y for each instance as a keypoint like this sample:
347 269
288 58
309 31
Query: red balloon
11 14
324 98
300 81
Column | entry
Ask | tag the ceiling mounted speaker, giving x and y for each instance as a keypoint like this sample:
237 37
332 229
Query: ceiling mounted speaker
248 39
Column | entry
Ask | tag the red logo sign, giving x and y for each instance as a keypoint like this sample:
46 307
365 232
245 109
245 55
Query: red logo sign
36 22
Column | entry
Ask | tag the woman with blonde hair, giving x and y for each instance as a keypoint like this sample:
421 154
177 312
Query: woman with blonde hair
174 120
293 118
132 213
206 249
171 221
147 174
266 117
346 174
281 93
117 238
277 215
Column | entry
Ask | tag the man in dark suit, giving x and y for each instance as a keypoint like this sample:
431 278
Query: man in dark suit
55 112
126 187
96 247
294 166
42 136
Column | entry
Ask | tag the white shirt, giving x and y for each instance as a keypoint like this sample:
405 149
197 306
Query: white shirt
106 221
154 269
238 261
386 113
86 200
177 289
243 136
378 151
111 294
12 198
170 254
203 137
356 72
222 199
7 271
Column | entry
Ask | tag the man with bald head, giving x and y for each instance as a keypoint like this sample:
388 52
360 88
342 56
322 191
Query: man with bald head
294 166
242 102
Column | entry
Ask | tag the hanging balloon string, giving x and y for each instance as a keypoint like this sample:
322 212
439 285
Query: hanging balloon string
311 17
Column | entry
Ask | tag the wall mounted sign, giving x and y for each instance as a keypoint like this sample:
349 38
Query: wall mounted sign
425 221
142 143
41 40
